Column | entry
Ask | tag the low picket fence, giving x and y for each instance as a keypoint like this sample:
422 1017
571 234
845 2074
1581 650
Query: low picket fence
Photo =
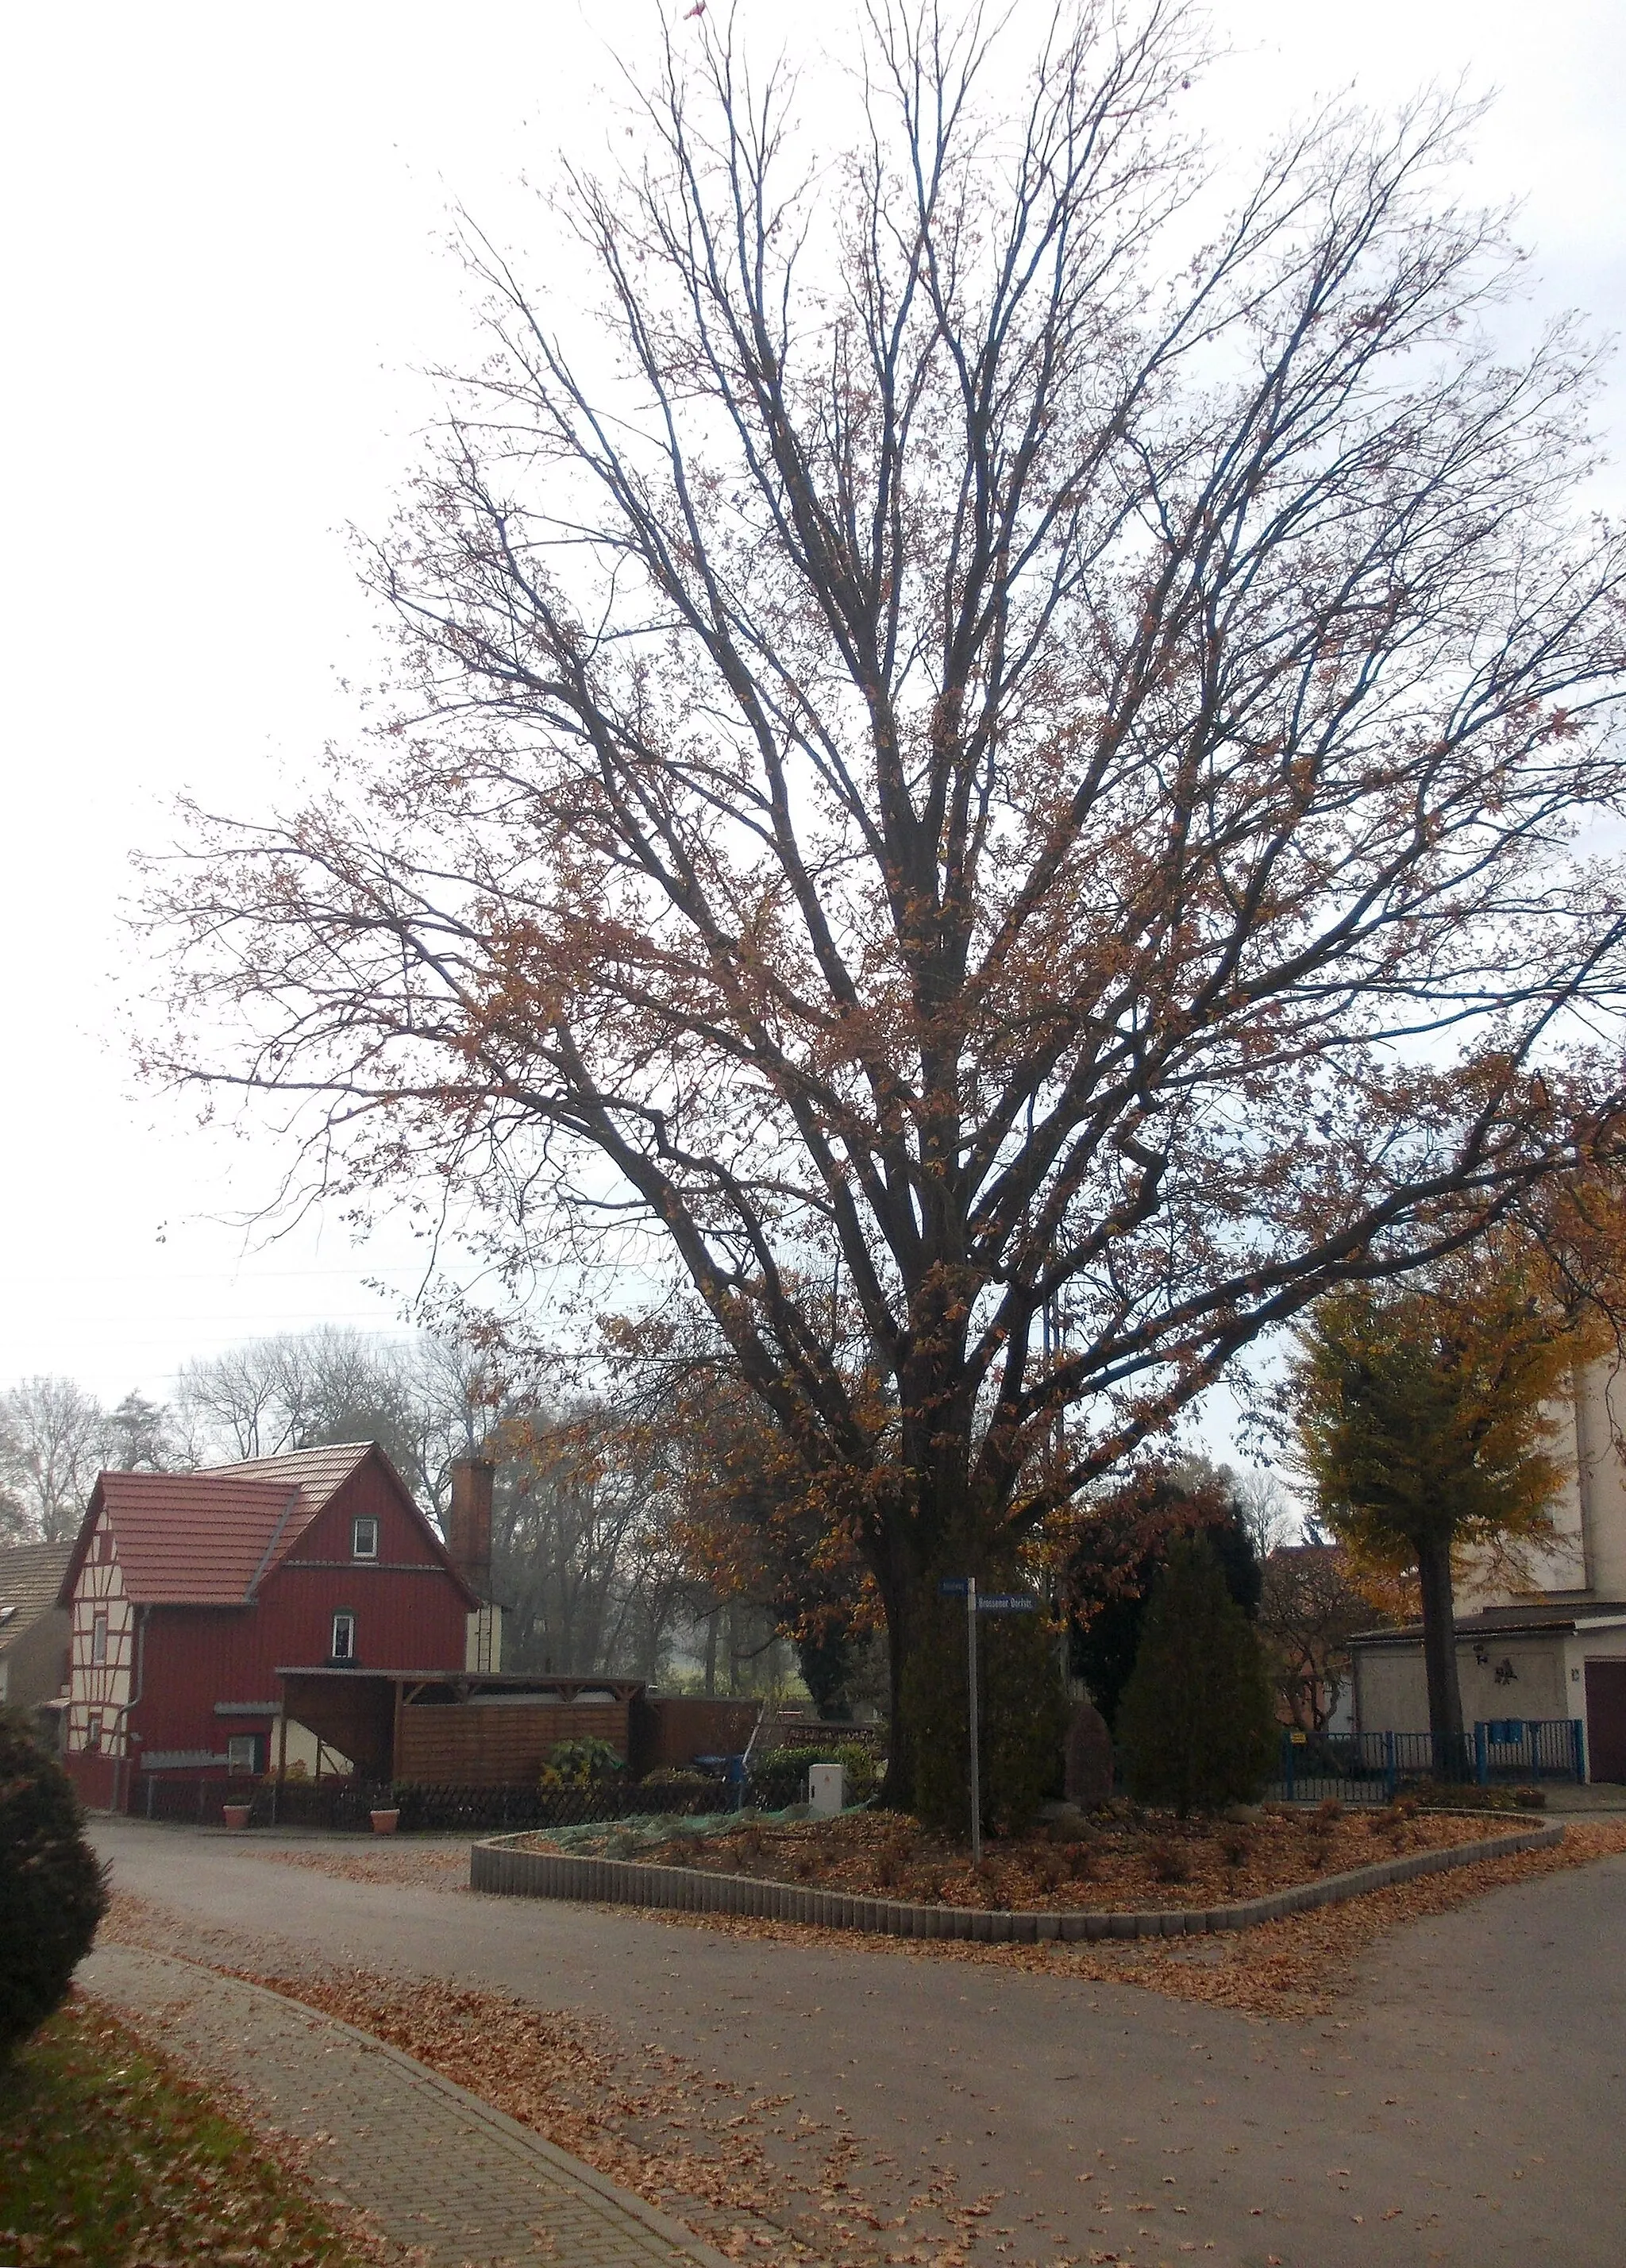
346 1805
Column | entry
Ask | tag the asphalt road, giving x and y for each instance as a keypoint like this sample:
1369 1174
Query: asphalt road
1468 2105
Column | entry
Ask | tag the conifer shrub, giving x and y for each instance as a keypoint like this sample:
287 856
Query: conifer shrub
52 1891
1022 1711
1196 1723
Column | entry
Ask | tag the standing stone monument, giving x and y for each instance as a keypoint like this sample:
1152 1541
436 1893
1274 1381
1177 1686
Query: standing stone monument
1088 1768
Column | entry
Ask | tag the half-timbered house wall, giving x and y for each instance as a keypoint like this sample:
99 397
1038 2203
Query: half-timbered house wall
101 1656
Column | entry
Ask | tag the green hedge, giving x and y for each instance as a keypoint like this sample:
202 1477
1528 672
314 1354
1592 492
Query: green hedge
52 1889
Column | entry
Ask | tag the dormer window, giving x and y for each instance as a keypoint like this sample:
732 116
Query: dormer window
344 1635
364 1538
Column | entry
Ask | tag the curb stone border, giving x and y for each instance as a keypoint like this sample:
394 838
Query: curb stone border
682 2239
497 1865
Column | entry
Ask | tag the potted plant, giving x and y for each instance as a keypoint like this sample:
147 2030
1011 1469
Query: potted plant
236 1815
386 1820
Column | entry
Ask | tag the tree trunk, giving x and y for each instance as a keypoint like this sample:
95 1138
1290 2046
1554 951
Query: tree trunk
1439 1654
898 1598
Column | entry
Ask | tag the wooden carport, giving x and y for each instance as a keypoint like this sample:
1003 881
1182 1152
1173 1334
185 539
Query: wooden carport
443 1728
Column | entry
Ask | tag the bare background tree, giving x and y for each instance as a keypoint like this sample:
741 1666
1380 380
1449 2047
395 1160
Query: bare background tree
53 1443
1310 1611
424 1400
587 1559
1002 723
590 1558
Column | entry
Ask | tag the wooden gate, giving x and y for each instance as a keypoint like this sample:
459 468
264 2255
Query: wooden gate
1605 1720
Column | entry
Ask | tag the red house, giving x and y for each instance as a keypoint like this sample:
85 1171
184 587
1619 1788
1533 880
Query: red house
187 1592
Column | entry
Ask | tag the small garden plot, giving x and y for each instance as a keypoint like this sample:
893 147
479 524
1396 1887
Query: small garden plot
1125 1859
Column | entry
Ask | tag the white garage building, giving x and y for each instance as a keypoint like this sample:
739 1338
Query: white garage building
1553 1646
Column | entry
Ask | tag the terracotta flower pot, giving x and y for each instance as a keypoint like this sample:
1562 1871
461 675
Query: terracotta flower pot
385 1822
236 1815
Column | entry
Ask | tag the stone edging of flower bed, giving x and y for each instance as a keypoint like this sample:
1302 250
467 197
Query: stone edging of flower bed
498 1865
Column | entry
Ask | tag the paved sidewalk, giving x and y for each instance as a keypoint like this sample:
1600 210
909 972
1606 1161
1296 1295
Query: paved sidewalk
1599 1800
430 2163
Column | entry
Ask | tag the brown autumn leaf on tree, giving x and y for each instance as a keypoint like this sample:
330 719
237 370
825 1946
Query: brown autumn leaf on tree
976 724
745 1518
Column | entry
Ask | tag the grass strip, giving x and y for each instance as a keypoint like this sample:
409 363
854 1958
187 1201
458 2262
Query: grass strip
110 2159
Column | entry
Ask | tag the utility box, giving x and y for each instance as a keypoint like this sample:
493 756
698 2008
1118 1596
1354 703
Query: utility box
827 1789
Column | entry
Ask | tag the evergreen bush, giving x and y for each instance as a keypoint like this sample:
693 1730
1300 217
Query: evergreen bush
1022 1710
52 1892
857 1758
1196 1722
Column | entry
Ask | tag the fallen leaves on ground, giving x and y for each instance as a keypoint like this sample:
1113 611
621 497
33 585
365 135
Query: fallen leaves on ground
757 2183
1295 1967
762 2181
110 2159
430 1867
1123 1862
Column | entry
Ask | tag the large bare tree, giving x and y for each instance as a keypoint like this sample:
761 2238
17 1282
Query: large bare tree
989 759
53 1443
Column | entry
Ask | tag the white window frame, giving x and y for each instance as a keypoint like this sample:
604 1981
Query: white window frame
99 1641
236 1745
365 1521
343 1619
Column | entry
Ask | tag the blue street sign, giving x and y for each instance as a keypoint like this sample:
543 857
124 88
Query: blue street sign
954 1586
1005 1602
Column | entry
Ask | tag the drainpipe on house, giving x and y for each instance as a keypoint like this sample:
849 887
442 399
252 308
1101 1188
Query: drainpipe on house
127 1759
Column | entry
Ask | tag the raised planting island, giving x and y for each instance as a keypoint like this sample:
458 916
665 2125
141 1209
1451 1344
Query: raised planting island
1122 1874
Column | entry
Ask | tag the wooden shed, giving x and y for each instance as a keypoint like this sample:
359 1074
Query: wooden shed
484 1731
468 1731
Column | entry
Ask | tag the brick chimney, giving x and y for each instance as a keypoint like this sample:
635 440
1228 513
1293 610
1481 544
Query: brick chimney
469 1529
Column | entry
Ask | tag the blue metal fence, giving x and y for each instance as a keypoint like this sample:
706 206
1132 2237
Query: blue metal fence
1372 1767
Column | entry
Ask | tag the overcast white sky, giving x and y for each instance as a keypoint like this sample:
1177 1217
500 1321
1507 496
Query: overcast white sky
223 267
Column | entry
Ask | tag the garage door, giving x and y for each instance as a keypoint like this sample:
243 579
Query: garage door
1606 1718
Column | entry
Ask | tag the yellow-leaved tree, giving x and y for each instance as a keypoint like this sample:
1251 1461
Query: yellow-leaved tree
1424 1420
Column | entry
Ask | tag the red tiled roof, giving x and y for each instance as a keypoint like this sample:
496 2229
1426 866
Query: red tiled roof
31 1575
206 1539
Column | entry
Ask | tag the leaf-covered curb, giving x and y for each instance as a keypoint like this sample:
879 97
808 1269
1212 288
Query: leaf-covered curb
499 1865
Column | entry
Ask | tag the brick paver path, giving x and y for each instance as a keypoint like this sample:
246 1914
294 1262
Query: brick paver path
431 2164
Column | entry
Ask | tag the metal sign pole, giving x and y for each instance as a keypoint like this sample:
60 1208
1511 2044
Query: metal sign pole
976 1787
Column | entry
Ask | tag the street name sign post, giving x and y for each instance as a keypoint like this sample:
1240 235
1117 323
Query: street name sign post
995 1602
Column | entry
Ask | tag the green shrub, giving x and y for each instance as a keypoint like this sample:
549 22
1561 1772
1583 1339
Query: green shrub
577 1763
681 1776
858 1758
52 1892
785 1760
1196 1722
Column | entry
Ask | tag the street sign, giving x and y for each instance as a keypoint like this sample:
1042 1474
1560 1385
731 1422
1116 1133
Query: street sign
1005 1602
954 1586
